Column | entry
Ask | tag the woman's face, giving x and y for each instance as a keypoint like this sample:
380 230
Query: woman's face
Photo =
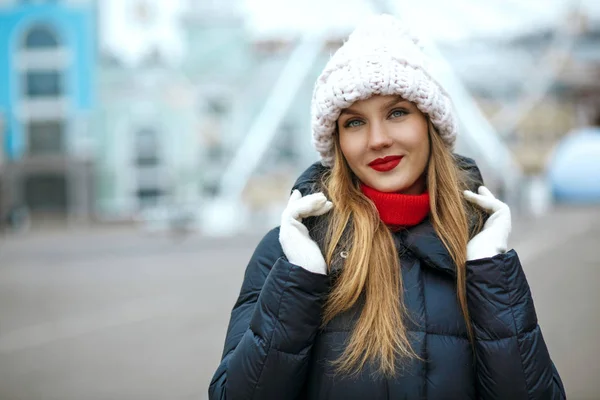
385 141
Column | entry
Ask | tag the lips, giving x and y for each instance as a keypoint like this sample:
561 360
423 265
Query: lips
386 163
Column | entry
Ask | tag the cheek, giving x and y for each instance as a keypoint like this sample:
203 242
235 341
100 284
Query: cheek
424 150
350 150
420 142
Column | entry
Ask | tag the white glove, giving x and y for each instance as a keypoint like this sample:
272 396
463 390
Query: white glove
493 238
297 245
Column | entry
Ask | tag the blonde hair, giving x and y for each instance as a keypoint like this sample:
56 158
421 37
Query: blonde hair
372 268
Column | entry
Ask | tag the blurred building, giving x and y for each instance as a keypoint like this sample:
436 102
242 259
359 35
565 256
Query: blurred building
537 86
47 65
145 131
167 127
3 196
149 120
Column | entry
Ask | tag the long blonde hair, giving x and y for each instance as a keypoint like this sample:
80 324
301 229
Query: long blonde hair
372 267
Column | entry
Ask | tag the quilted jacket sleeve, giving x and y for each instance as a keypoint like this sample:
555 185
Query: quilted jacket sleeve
512 359
272 327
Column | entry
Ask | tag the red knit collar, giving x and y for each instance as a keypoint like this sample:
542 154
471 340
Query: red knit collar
396 209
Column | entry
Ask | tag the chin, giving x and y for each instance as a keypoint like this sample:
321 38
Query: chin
391 189
395 183
387 187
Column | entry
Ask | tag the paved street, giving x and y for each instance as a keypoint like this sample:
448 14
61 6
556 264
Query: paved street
114 313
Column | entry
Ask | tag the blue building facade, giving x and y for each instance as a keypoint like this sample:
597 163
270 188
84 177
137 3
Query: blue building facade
47 75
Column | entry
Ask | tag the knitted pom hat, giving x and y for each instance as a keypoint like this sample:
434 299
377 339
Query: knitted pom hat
380 57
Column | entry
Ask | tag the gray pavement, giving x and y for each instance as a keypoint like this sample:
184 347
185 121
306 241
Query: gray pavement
113 313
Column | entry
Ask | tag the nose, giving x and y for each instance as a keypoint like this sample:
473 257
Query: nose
379 138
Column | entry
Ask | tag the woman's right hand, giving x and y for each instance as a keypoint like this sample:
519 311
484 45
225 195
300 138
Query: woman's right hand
295 240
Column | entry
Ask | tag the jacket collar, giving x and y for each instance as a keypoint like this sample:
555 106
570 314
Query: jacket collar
423 241
308 181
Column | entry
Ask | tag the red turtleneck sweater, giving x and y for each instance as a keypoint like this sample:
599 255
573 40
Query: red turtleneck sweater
398 210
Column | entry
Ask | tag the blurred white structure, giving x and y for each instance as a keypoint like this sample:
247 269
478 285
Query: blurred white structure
479 138
574 167
244 81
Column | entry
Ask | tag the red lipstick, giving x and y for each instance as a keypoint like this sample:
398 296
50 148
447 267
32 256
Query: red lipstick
386 163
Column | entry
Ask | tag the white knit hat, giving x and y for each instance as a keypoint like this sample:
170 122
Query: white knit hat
380 57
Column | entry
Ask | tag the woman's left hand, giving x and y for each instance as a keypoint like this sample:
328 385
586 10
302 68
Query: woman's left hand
493 238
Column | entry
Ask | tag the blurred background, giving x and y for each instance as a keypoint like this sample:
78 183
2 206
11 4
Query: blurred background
146 146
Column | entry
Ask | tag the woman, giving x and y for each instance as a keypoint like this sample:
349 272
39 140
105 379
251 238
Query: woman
381 282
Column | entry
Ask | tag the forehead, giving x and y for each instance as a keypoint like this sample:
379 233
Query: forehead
377 101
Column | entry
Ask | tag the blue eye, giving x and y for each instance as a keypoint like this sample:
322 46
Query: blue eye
397 113
353 123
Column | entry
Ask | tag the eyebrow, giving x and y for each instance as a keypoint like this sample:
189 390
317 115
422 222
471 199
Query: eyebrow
394 101
349 111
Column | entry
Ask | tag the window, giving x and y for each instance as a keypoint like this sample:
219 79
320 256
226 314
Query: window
215 152
46 192
41 37
43 83
147 161
217 107
146 148
148 197
46 137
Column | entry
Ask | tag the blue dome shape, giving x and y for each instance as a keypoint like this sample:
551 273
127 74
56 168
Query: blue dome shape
574 167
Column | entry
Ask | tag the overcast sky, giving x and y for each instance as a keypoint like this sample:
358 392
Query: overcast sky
130 27
440 18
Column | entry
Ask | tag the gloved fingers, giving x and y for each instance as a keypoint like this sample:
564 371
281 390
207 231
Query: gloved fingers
496 203
317 206
323 210
307 205
485 192
296 202
294 196
300 227
490 204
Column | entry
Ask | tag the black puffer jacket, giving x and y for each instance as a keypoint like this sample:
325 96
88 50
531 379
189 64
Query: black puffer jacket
275 349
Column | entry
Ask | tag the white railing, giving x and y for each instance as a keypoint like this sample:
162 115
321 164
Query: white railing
264 129
226 214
